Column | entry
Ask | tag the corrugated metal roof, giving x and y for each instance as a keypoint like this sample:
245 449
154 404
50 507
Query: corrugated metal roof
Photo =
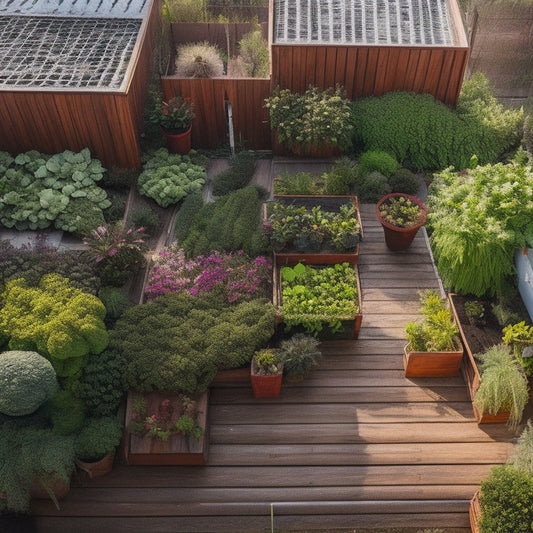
125 9
401 22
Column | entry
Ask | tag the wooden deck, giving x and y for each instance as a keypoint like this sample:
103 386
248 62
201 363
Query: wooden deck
355 445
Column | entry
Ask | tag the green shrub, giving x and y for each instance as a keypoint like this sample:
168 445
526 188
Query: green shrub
428 134
33 262
42 190
168 178
55 319
299 183
237 176
254 53
232 222
28 380
177 342
506 501
117 208
29 454
145 217
477 219
522 456
376 160
299 354
403 180
372 187
186 215
103 383
342 177
66 413
115 301
97 438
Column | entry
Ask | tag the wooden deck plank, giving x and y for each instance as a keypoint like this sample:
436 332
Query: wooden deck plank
354 445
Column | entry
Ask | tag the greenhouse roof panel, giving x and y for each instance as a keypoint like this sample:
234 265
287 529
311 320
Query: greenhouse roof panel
124 9
387 22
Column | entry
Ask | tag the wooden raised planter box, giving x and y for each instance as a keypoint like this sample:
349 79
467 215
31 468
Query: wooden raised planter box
331 203
178 449
350 326
471 375
431 364
474 513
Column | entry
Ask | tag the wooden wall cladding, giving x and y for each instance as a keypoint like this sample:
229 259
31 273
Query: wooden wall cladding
371 70
210 125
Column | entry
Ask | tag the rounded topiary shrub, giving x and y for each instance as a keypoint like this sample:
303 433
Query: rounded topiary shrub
403 180
199 60
377 161
27 380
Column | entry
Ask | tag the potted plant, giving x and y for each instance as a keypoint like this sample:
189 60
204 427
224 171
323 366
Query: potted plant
96 443
433 348
266 373
300 353
505 500
322 300
315 123
401 216
175 119
503 390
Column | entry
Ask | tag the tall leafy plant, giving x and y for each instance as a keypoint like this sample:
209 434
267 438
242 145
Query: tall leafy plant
478 218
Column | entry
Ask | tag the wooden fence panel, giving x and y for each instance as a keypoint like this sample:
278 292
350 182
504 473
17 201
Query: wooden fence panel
210 126
372 70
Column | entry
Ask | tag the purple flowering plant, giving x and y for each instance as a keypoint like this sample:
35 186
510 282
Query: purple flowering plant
233 276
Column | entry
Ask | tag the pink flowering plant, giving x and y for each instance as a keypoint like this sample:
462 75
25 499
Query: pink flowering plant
116 250
233 277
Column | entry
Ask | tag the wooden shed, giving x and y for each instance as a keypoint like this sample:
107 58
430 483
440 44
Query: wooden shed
371 47
74 74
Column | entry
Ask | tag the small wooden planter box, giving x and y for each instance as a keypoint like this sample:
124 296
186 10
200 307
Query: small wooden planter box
178 449
431 364
331 203
350 327
471 375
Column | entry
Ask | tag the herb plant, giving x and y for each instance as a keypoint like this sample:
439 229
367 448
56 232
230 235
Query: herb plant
400 211
312 297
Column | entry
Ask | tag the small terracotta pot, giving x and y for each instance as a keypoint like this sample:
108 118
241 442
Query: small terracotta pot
97 468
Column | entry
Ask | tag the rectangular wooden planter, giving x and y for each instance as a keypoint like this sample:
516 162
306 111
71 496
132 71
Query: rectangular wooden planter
431 364
471 376
349 329
330 203
178 449
474 513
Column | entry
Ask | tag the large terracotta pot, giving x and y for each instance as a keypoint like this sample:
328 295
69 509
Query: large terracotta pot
97 468
397 238
268 386
178 143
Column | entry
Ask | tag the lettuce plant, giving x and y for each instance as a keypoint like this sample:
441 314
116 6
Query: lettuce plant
168 178
37 191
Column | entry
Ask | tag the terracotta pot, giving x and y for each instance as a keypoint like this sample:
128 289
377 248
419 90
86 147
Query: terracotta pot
397 238
97 468
59 487
178 143
268 386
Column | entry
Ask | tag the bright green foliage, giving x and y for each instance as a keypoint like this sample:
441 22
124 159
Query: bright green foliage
342 176
519 336
177 342
237 176
97 438
186 215
41 190
103 383
254 53
54 319
27 454
299 183
506 500
27 380
168 178
430 135
478 219
232 222
522 456
437 331
376 160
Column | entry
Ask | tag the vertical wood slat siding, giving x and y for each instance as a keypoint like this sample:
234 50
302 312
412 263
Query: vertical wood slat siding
210 127
108 123
372 70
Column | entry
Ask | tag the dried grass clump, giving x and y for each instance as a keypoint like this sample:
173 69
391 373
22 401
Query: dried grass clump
199 60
